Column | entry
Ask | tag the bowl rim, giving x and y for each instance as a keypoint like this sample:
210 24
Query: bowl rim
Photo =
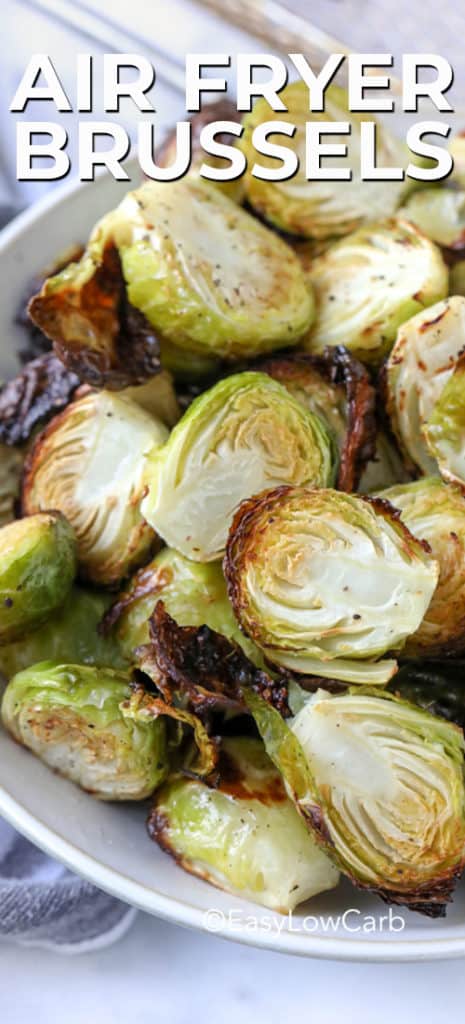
181 912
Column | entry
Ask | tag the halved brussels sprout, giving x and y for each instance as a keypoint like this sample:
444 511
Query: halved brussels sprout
157 397
209 278
380 783
326 582
11 466
39 391
243 434
440 214
95 331
386 468
245 835
369 283
335 387
89 463
70 637
37 568
435 512
220 110
319 209
194 594
445 429
70 717
418 368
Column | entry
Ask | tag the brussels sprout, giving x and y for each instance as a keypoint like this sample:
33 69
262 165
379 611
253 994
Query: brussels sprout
71 636
440 214
37 568
11 465
445 429
245 836
70 717
209 278
386 468
369 283
337 388
89 463
194 593
380 783
326 582
157 397
95 331
221 110
436 513
319 209
418 368
244 434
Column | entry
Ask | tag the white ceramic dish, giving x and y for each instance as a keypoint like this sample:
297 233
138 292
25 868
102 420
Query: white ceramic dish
108 843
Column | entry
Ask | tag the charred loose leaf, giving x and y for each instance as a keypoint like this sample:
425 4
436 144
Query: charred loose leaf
380 783
71 717
36 342
422 360
326 582
244 835
436 686
337 388
203 666
95 330
144 707
42 388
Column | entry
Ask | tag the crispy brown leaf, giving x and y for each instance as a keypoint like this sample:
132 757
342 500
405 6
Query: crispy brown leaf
43 388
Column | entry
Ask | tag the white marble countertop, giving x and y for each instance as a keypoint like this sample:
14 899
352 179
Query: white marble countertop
159 972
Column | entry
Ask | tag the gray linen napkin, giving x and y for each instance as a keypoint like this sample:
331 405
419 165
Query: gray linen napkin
44 904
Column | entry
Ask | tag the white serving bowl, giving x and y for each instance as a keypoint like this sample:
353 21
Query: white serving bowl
108 843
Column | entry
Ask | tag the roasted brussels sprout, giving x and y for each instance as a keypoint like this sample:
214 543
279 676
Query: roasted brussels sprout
421 362
318 209
245 835
71 636
210 279
326 582
95 331
369 283
89 463
440 214
245 433
70 717
457 148
221 110
435 512
157 397
386 468
37 568
445 429
194 593
380 783
11 466
337 388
